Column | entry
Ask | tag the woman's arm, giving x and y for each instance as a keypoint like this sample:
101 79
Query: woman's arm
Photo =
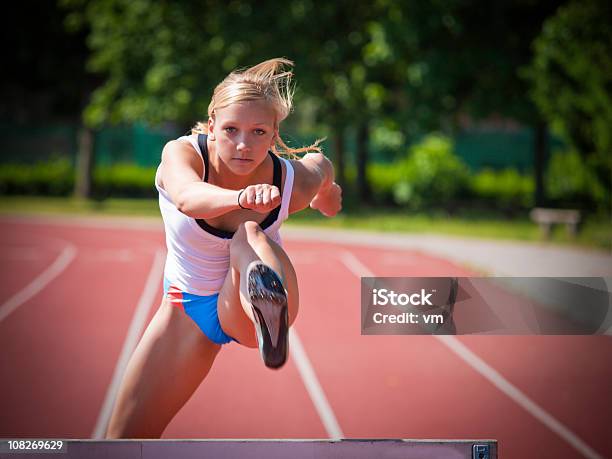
181 172
314 185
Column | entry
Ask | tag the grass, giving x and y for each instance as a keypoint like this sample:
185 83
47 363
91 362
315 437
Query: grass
594 233
29 205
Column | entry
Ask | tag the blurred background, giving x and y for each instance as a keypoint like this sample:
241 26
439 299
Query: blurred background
457 117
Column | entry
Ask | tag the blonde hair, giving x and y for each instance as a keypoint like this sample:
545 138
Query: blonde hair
267 81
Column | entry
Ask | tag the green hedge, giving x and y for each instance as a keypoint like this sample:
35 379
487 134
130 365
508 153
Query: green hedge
124 180
433 176
571 181
50 178
507 189
430 176
56 178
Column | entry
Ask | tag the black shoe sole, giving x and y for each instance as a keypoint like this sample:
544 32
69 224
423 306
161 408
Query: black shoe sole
269 304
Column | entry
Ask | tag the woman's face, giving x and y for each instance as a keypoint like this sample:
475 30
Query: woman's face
243 132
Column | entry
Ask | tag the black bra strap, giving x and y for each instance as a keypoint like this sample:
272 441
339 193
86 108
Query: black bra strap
204 150
278 171
276 181
214 231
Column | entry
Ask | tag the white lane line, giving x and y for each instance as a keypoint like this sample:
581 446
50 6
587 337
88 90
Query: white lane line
313 386
516 395
354 265
40 282
478 364
147 298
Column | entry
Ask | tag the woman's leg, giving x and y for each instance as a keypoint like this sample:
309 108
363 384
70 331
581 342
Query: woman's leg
249 244
169 363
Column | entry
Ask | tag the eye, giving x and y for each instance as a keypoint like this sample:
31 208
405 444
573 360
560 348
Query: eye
259 131
229 129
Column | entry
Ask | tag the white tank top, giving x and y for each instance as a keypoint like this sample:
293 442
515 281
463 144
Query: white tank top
197 260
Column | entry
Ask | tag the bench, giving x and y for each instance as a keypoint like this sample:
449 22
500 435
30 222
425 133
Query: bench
545 218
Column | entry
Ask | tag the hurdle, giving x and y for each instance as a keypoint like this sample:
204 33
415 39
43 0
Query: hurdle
260 449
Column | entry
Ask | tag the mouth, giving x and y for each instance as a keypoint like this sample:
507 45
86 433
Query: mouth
242 160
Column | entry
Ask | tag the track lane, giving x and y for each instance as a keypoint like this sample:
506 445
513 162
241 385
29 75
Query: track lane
407 400
59 348
23 256
568 376
384 408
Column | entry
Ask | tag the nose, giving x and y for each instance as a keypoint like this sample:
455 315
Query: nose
242 146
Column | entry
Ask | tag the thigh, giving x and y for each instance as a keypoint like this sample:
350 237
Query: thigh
237 321
169 363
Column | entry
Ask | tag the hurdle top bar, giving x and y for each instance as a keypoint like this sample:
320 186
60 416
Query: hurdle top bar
265 449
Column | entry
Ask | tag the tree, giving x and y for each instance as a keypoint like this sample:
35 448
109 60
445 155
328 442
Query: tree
571 75
414 65
350 72
465 58
161 59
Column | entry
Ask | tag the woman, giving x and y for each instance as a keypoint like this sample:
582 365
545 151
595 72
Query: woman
223 196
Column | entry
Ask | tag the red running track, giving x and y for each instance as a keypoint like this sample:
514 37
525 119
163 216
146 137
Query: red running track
538 396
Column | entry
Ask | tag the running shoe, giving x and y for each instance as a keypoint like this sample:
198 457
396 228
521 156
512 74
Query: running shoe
269 303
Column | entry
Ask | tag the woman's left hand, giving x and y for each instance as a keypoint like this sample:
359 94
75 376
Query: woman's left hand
328 201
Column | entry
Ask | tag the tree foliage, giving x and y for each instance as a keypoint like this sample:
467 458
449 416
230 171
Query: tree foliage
391 70
411 61
571 76
155 56
457 58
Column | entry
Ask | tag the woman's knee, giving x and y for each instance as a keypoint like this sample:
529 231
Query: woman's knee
248 234
248 231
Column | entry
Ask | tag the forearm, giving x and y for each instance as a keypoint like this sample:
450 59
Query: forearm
203 200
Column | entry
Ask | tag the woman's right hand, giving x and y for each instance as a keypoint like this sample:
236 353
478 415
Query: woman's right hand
261 198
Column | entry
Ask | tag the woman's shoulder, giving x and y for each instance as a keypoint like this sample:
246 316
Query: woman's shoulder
181 152
182 144
189 139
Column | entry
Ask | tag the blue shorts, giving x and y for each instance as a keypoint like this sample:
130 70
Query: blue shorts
202 309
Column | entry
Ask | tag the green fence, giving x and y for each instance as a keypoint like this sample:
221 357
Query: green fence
29 144
137 144
132 144
142 145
